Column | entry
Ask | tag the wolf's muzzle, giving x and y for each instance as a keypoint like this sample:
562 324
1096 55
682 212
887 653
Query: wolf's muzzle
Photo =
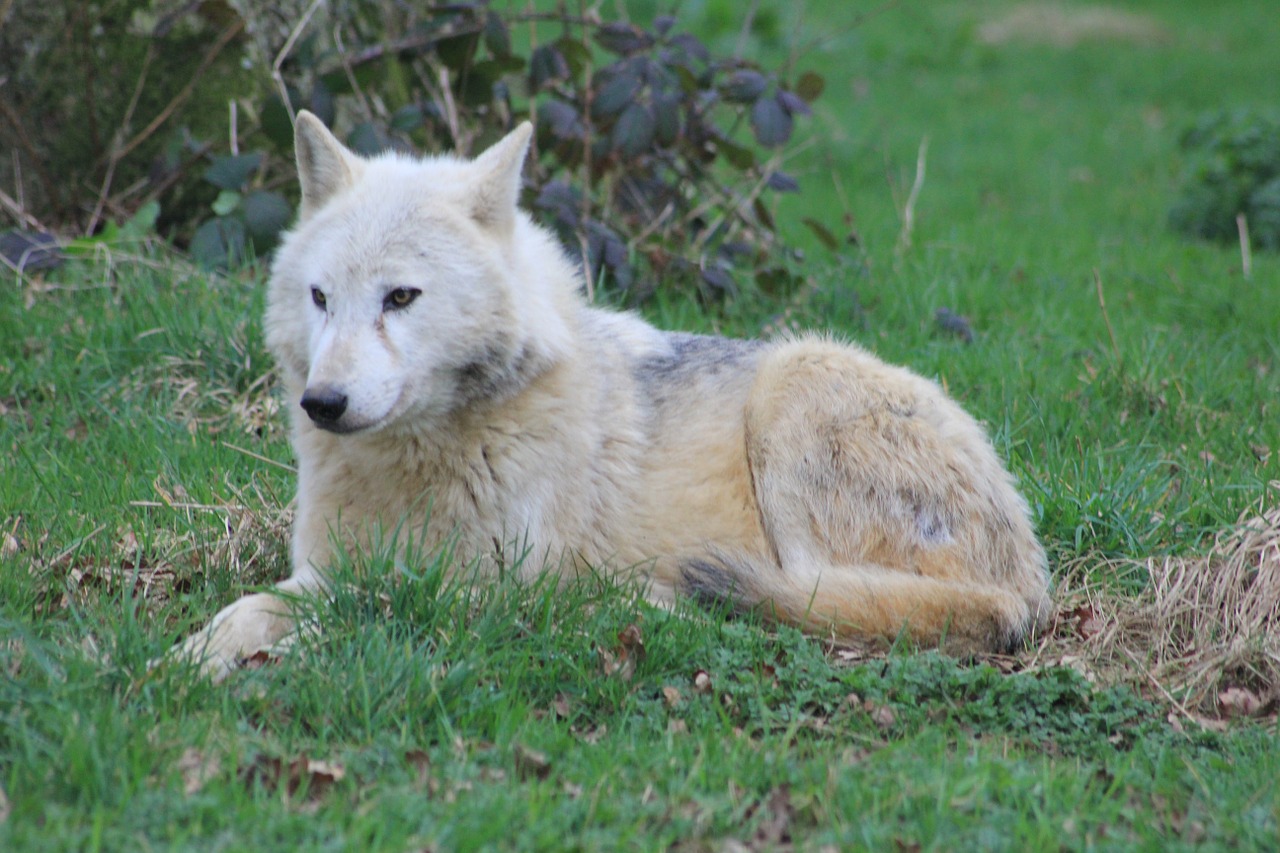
325 406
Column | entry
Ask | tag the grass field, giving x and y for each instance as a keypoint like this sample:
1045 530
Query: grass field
1130 377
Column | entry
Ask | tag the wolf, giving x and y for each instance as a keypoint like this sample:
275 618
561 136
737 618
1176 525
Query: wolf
451 378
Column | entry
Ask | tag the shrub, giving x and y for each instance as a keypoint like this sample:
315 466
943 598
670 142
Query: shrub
1233 168
655 158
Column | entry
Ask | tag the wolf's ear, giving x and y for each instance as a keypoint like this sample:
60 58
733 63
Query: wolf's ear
325 166
497 187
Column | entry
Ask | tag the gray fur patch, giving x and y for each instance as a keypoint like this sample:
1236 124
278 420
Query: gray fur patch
694 354
494 373
713 586
933 528
688 359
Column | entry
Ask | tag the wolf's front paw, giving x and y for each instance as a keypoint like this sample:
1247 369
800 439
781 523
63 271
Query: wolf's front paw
252 624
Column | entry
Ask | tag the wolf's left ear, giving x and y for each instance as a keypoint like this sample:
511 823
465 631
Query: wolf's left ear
325 165
497 188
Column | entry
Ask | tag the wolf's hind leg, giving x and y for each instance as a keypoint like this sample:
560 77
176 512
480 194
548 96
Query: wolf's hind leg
886 506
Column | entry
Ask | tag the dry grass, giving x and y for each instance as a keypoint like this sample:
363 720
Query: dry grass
1066 25
1204 634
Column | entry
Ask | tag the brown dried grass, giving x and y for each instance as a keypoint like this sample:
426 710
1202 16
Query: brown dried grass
1204 633
1068 24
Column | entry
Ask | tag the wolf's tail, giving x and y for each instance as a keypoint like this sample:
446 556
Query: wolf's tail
860 603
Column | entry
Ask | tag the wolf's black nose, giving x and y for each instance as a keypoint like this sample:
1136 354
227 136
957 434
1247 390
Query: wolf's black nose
324 405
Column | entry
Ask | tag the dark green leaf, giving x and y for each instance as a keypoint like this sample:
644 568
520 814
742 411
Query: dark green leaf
497 38
666 116
407 118
30 250
547 65
824 235
782 182
739 157
457 51
744 86
231 171
322 103
633 134
810 86
770 122
719 280
276 124
777 281
219 243
576 53
265 215
368 139
561 118
763 214
614 96
622 38
793 103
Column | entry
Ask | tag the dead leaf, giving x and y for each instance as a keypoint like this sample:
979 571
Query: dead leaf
273 773
670 696
5 807
882 715
9 546
702 682
677 726
1239 702
531 763
197 768
562 705
258 660
420 761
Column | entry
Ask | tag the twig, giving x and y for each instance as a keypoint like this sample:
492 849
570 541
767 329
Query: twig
909 211
1106 318
294 35
179 99
745 32
19 212
1246 253
114 158
450 110
260 457
37 160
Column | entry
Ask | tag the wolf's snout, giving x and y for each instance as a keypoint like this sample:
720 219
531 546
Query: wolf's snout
324 405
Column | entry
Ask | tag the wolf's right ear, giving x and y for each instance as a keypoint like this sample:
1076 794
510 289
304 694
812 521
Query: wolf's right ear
325 166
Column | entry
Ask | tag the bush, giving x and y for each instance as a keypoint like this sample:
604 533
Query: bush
1233 168
654 157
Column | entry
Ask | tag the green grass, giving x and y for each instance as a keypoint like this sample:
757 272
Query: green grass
495 718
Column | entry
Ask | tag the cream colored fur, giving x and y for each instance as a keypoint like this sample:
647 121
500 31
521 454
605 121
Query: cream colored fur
802 477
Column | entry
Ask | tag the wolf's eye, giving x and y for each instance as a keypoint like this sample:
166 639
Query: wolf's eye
399 298
317 296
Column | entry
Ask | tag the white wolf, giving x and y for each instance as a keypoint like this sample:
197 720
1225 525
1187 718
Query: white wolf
442 355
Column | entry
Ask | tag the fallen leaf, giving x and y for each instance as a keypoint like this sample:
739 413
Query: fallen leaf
420 761
1238 702
882 715
9 546
702 682
531 763
5 807
670 696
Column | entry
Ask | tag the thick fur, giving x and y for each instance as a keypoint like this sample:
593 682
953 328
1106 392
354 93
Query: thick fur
802 477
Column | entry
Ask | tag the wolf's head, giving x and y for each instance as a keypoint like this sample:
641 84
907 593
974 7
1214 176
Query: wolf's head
412 287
